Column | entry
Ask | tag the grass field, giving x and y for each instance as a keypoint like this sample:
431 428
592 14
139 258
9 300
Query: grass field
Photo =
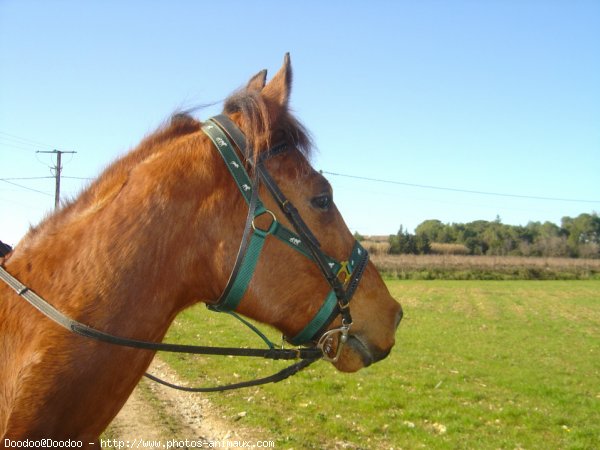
477 365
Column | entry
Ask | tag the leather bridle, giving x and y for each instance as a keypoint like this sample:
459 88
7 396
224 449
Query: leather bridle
222 131
317 341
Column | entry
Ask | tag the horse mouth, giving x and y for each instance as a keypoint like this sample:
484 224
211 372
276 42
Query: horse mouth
367 353
360 348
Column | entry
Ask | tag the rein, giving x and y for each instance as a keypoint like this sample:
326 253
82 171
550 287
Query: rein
306 355
220 130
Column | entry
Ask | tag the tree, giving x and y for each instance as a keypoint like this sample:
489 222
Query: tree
422 245
432 230
471 235
406 243
546 239
577 237
583 230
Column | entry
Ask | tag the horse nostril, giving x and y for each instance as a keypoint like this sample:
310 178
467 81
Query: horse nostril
399 317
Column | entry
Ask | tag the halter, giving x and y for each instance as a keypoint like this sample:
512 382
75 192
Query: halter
336 302
221 130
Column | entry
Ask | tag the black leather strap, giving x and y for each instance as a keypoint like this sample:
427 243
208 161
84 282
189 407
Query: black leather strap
279 376
307 355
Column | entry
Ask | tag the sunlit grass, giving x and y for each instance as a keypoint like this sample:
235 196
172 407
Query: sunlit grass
477 365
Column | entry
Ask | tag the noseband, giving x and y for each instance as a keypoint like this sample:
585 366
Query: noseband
317 341
222 131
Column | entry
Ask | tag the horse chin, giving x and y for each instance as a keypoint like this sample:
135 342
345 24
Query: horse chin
355 355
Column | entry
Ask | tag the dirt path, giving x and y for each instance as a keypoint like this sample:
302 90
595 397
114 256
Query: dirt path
158 413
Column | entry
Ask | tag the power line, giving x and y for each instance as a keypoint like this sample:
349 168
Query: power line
26 178
23 140
17 147
466 191
25 187
79 178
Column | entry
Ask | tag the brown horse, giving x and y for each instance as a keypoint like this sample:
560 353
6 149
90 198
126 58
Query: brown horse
157 232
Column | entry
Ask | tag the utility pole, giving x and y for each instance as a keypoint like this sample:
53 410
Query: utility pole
57 169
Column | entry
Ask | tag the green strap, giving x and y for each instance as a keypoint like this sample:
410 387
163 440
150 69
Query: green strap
309 331
357 254
293 240
259 333
233 298
231 159
290 238
240 284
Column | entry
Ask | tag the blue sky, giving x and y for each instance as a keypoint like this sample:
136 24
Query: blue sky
492 96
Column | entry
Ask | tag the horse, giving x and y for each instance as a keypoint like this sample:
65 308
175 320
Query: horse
157 232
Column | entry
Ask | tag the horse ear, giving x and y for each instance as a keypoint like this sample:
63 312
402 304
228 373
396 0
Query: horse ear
258 81
277 91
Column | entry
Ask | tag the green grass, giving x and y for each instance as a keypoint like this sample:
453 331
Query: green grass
478 364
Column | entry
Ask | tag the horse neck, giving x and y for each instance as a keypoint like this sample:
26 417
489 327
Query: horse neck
131 255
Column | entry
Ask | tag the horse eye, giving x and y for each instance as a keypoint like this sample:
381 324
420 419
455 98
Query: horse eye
322 202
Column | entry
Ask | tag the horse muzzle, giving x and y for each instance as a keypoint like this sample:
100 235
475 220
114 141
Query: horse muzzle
350 351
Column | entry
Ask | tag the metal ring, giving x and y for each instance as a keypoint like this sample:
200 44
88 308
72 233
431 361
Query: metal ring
270 226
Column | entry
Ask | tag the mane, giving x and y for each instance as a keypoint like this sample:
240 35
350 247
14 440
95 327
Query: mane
116 174
180 124
257 127
255 124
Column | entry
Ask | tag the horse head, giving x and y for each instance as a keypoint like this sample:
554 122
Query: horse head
287 289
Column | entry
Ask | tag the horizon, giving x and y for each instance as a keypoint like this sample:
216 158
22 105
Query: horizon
498 219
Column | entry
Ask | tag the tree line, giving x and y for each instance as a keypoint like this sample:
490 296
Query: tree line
577 237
